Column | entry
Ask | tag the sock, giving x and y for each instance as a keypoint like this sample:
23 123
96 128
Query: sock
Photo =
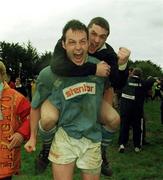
107 136
46 136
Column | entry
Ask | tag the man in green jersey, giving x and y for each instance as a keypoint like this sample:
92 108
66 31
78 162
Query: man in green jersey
78 100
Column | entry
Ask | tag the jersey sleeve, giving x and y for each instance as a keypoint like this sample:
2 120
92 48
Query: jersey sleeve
44 84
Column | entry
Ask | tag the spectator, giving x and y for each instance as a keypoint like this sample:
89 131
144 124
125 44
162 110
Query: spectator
20 87
14 127
132 108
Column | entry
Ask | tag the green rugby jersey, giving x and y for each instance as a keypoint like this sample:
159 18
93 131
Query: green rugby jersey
78 100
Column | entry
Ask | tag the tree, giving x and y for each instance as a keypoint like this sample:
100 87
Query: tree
30 59
43 62
20 60
148 68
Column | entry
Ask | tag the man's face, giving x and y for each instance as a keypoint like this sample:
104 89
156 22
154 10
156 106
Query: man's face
17 82
97 38
76 46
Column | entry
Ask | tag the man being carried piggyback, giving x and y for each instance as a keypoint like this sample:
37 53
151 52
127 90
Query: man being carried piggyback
98 33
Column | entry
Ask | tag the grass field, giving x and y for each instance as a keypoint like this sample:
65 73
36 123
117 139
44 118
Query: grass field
146 165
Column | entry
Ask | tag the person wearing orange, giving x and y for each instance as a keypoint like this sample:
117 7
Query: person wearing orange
14 127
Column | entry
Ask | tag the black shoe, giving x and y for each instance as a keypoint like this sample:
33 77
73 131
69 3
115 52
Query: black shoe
106 170
42 161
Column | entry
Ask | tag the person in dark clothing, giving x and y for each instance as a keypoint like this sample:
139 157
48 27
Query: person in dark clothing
19 87
98 48
132 109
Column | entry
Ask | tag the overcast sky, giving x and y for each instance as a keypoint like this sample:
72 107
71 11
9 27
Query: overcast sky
136 24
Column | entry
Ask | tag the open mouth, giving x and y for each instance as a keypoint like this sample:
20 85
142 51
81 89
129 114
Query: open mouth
78 58
93 48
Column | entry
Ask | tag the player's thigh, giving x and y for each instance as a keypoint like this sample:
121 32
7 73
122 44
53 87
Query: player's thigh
109 116
63 171
108 95
49 112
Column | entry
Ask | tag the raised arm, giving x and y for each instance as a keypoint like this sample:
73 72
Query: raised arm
118 64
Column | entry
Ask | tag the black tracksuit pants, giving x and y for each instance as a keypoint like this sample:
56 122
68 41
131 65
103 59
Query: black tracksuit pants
131 114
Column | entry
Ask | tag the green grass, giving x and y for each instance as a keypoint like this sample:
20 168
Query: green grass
146 165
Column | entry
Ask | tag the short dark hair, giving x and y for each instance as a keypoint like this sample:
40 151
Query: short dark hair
137 72
100 21
74 25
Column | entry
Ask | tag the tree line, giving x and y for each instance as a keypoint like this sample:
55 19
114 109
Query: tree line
24 61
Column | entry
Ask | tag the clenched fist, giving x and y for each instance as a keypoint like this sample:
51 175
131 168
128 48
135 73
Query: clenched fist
123 55
103 69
